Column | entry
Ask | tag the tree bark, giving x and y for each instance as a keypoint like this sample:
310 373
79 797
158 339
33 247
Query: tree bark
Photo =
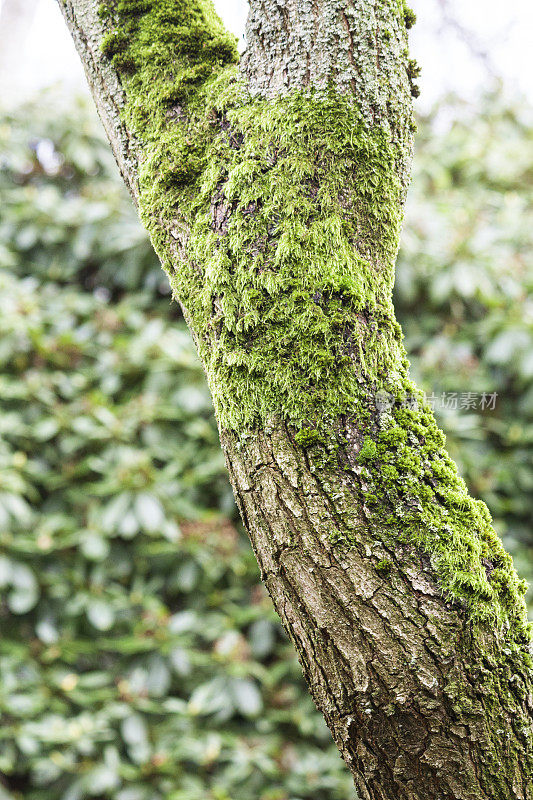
273 193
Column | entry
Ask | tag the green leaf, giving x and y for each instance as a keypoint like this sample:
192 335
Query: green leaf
100 614
149 512
246 696
25 592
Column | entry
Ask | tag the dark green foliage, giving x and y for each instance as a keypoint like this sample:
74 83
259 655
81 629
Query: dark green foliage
138 653
143 661
140 658
463 289
64 215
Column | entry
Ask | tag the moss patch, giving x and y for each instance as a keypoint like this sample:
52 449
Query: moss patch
368 451
307 437
414 483
384 566
281 297
293 213
409 16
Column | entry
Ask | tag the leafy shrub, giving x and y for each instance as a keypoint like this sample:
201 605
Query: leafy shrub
138 651
464 297
65 213
140 657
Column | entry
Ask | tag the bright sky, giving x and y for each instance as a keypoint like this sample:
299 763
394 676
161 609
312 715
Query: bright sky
503 30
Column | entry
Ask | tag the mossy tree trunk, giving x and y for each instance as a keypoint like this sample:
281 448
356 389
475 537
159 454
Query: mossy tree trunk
273 192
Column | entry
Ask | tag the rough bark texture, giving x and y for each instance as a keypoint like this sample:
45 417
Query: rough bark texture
417 708
401 603
304 43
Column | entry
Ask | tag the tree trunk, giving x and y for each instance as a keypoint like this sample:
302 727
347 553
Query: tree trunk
273 192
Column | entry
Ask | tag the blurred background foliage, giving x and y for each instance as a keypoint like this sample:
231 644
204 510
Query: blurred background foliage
464 296
140 658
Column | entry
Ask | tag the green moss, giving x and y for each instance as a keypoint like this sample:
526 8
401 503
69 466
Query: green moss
306 437
413 477
409 16
281 283
368 451
284 219
302 175
413 73
384 566
370 499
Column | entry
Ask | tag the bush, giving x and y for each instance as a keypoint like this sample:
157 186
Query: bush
140 656
66 216
463 296
139 651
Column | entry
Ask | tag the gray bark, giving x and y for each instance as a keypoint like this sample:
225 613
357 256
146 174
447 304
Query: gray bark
303 43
